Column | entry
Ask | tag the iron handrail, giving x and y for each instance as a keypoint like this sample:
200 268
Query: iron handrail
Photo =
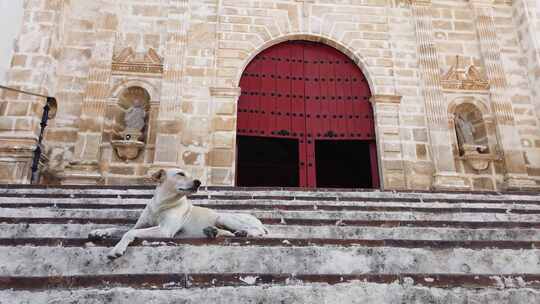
49 105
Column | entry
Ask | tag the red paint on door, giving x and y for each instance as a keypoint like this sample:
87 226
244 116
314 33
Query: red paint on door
307 91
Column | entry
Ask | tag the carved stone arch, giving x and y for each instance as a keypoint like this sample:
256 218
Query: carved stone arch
357 57
150 88
479 103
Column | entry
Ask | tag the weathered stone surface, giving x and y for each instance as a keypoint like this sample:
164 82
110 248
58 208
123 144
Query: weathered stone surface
42 257
189 57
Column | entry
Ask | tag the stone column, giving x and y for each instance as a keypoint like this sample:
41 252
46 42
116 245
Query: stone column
84 169
170 119
501 106
389 150
33 70
445 176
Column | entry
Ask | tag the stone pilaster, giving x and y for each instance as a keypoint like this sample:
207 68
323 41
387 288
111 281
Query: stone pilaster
507 133
84 169
526 19
391 167
170 119
445 176
223 131
32 70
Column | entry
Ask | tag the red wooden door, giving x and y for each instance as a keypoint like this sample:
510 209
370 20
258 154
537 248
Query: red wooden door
307 91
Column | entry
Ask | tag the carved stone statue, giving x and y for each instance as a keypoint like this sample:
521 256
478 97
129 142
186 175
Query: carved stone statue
135 116
465 131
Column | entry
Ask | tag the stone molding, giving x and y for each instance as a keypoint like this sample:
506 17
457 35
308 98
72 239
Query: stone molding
395 99
469 79
129 61
419 2
225 92
485 3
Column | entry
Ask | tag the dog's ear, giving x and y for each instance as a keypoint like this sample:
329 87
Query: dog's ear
159 176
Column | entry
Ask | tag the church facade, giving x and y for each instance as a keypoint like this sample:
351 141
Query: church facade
391 94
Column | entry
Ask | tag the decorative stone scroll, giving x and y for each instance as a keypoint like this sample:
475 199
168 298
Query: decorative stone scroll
129 61
469 79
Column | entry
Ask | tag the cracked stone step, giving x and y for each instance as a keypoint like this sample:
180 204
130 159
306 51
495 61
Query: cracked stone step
279 214
238 194
358 292
284 205
295 222
267 256
213 280
297 231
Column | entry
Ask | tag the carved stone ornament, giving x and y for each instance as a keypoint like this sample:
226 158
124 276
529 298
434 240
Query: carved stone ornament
129 61
476 157
464 79
127 149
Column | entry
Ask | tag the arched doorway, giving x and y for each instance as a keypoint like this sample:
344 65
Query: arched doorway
305 120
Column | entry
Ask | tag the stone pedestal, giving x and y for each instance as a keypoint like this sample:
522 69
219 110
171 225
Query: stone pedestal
450 181
82 174
16 157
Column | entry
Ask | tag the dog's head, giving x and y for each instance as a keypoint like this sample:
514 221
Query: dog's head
176 181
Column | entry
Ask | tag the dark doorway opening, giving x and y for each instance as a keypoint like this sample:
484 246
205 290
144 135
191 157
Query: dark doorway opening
343 164
267 162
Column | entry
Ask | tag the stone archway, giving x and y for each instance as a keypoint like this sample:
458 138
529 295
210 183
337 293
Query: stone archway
304 119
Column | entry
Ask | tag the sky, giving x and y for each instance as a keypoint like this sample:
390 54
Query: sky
11 14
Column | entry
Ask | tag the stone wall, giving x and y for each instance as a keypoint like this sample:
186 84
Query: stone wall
421 58
11 15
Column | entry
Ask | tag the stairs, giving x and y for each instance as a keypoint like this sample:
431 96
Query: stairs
324 247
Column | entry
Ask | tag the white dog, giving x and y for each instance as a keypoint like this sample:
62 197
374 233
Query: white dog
171 213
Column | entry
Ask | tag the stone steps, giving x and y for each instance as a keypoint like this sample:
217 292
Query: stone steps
67 257
240 193
325 247
70 230
390 291
283 215
133 203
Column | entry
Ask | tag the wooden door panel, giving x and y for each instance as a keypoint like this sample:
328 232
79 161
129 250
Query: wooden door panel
306 91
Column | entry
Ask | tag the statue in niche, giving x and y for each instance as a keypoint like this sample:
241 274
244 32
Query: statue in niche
135 116
465 131
134 120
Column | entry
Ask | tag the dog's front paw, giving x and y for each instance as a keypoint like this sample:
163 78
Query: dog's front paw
211 232
115 253
99 234
241 233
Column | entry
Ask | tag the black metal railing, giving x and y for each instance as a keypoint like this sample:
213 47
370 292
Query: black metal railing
49 111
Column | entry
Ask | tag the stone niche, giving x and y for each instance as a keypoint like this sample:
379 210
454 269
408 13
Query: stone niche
130 123
475 147
127 144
